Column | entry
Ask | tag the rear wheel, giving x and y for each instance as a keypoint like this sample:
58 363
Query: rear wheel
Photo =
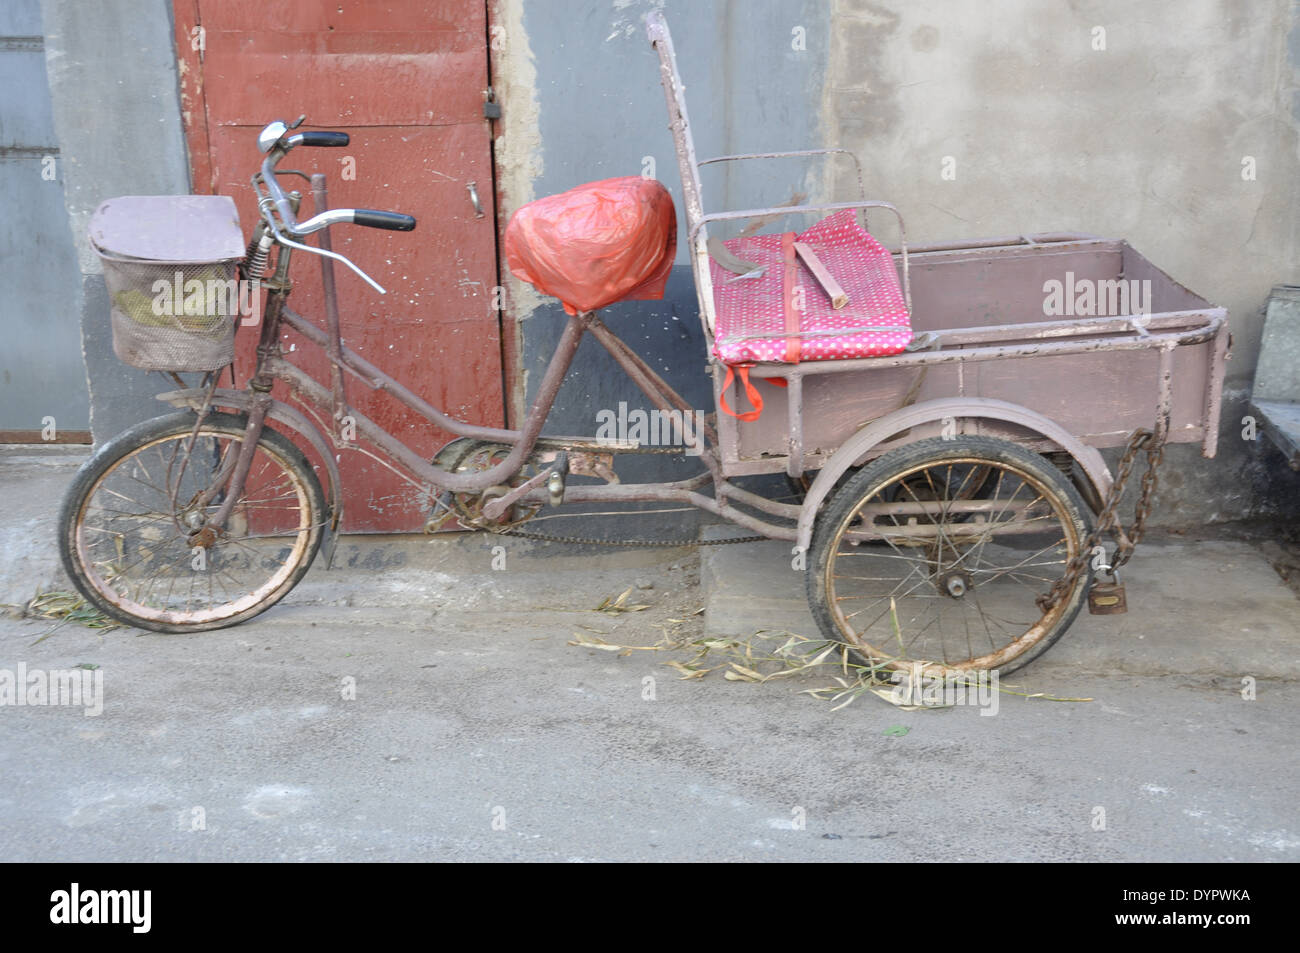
937 552
135 537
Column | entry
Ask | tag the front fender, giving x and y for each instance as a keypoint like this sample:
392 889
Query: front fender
931 411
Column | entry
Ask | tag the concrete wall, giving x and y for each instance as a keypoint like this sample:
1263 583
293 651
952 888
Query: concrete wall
1103 116
1122 119
116 108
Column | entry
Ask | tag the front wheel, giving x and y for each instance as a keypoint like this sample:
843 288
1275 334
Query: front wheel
937 553
134 532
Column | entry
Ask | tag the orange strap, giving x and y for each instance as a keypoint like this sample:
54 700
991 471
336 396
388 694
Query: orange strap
751 392
793 346
790 280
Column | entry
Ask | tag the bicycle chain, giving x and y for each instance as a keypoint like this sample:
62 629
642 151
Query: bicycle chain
642 543
1125 543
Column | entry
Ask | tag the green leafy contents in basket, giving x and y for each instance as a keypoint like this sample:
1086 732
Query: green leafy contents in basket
190 309
138 306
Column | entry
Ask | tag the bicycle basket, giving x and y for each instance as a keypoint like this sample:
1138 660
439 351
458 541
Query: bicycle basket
170 267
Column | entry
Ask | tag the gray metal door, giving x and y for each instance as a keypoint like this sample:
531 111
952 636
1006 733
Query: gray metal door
42 374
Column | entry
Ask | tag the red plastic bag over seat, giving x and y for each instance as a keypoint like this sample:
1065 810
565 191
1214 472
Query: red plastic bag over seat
596 244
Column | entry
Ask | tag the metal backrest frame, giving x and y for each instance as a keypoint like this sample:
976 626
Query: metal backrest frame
692 192
689 169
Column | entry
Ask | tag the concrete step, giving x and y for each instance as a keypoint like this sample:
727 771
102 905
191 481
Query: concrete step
1212 607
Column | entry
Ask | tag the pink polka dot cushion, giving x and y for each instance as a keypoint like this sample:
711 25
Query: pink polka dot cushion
751 323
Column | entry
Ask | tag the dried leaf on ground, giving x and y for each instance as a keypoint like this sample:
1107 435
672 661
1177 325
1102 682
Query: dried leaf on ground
65 607
620 604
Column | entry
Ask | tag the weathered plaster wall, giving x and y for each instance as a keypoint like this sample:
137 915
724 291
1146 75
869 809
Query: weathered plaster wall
1144 138
1102 116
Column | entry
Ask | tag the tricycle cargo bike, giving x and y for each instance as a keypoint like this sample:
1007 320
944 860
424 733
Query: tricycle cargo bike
942 418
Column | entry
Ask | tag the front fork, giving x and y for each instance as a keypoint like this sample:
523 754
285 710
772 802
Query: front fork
268 346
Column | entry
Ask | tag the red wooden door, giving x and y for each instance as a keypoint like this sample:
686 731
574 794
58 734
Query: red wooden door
405 78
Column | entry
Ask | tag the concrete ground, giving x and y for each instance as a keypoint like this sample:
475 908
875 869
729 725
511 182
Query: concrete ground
413 703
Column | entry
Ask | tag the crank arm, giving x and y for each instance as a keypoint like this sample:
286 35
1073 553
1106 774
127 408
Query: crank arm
494 509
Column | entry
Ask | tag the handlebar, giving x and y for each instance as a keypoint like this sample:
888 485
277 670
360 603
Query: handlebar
275 204
394 221
371 218
320 137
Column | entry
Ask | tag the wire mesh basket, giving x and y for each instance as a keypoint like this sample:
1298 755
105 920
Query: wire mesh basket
170 266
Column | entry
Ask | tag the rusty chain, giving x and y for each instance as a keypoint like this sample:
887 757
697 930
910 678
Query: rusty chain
510 529
1125 542
640 543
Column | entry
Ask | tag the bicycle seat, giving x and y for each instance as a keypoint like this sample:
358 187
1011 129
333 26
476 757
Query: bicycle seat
596 244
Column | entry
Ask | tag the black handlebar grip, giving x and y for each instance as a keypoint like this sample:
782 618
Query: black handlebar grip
323 137
395 221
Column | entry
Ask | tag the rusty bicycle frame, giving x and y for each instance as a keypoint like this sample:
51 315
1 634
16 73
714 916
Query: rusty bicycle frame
556 457
563 454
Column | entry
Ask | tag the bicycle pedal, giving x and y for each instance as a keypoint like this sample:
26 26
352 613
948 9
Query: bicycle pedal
1107 598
